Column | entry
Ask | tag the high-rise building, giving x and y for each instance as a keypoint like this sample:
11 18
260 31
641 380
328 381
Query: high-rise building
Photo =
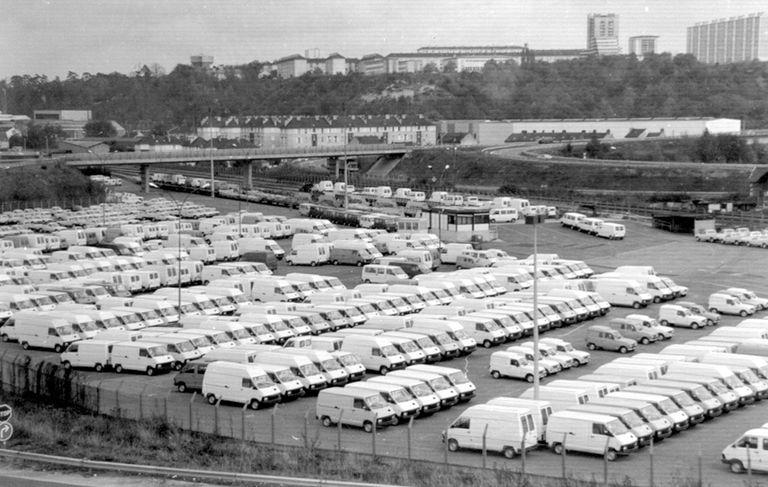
603 34
642 45
728 41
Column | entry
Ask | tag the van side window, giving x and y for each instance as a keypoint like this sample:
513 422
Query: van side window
376 352
583 399
513 362
462 423
247 383
747 442
72 348
143 353
52 332
599 429
765 444
358 404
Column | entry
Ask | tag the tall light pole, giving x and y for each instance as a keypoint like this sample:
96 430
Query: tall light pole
535 310
346 180
210 127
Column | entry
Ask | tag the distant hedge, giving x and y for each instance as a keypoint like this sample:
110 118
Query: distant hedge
52 182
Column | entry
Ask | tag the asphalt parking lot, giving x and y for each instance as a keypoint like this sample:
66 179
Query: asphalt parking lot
702 267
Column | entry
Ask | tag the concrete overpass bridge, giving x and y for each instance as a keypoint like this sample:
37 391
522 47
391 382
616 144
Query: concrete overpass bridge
247 156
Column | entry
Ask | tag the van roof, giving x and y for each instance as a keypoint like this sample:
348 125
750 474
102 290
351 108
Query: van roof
567 414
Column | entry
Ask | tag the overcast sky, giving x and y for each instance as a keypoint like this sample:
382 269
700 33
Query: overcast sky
53 37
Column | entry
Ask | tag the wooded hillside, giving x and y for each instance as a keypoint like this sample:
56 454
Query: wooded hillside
619 86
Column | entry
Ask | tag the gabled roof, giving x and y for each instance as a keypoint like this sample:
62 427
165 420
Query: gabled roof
634 133
292 57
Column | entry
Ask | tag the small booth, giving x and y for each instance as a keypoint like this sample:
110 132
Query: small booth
460 223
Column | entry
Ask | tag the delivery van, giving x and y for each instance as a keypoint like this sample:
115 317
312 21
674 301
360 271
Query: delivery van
140 356
514 365
239 383
730 305
303 368
426 398
748 453
558 397
87 353
589 433
621 292
402 402
720 372
701 395
628 417
439 384
503 429
365 409
377 354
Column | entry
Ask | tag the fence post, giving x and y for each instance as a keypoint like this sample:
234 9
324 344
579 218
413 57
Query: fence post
165 407
191 400
141 402
565 436
117 399
522 454
216 417
605 460
650 454
272 426
98 396
338 433
242 421
306 429
701 479
749 468
410 427
373 434
485 450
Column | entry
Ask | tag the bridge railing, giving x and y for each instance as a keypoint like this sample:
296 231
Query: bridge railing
238 153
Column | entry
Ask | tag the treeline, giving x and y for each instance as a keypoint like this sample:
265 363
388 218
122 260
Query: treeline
614 86
47 182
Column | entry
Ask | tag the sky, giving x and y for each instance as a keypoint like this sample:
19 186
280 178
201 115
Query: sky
54 37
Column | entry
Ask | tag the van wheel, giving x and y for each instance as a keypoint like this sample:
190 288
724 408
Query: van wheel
359 263
591 346
395 420
529 378
150 371
509 452
66 365
58 348
368 427
367 281
743 313
636 305
664 323
659 338
557 448
118 369
326 421
254 404
610 455
98 368
181 387
487 344
335 262
313 263
383 370
453 445
25 345
736 466
622 349
495 374
4 337
695 325
289 261
714 310
645 341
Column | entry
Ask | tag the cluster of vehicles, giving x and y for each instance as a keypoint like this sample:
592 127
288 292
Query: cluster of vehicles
593 226
734 236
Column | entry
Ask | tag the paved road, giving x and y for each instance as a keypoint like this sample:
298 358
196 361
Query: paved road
702 267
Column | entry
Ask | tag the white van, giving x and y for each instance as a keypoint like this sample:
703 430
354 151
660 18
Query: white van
738 332
628 417
672 314
326 363
636 371
240 383
589 433
384 274
87 353
503 215
510 364
40 330
377 354
679 419
571 219
622 292
451 251
720 372
748 452
439 384
502 429
428 401
730 305
140 356
309 254
399 399
611 231
362 408
422 258
302 367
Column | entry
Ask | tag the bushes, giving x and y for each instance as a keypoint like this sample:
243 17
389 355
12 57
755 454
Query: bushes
47 182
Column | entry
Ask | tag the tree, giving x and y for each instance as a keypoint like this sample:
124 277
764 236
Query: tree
99 128
44 136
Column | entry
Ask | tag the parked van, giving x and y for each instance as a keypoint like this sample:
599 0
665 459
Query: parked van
309 254
758 365
426 398
565 348
402 402
356 252
662 427
679 419
503 429
753 346
354 407
451 251
302 367
87 353
738 332
426 345
672 314
589 433
514 365
606 338
140 356
722 373
326 363
240 383
594 390
503 215
621 292
179 347
628 417
611 231
190 377
386 274
730 305
711 405
680 397
439 384
633 331
377 354
571 219
558 397
421 257
453 329
748 453
40 330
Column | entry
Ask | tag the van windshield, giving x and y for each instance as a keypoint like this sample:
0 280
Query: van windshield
668 406
748 376
616 427
701 393
157 351
443 339
458 378
421 390
241 333
262 381
185 346
348 359
650 412
401 395
389 350
308 369
330 364
732 381
408 347
632 419
376 402
683 399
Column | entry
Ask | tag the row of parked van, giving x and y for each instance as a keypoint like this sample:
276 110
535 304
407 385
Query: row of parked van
593 226
734 236
623 405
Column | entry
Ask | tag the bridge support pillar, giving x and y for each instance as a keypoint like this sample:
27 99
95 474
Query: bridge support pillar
144 177
248 175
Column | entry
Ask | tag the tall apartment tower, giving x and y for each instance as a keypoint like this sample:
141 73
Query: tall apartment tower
603 34
642 45
730 41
